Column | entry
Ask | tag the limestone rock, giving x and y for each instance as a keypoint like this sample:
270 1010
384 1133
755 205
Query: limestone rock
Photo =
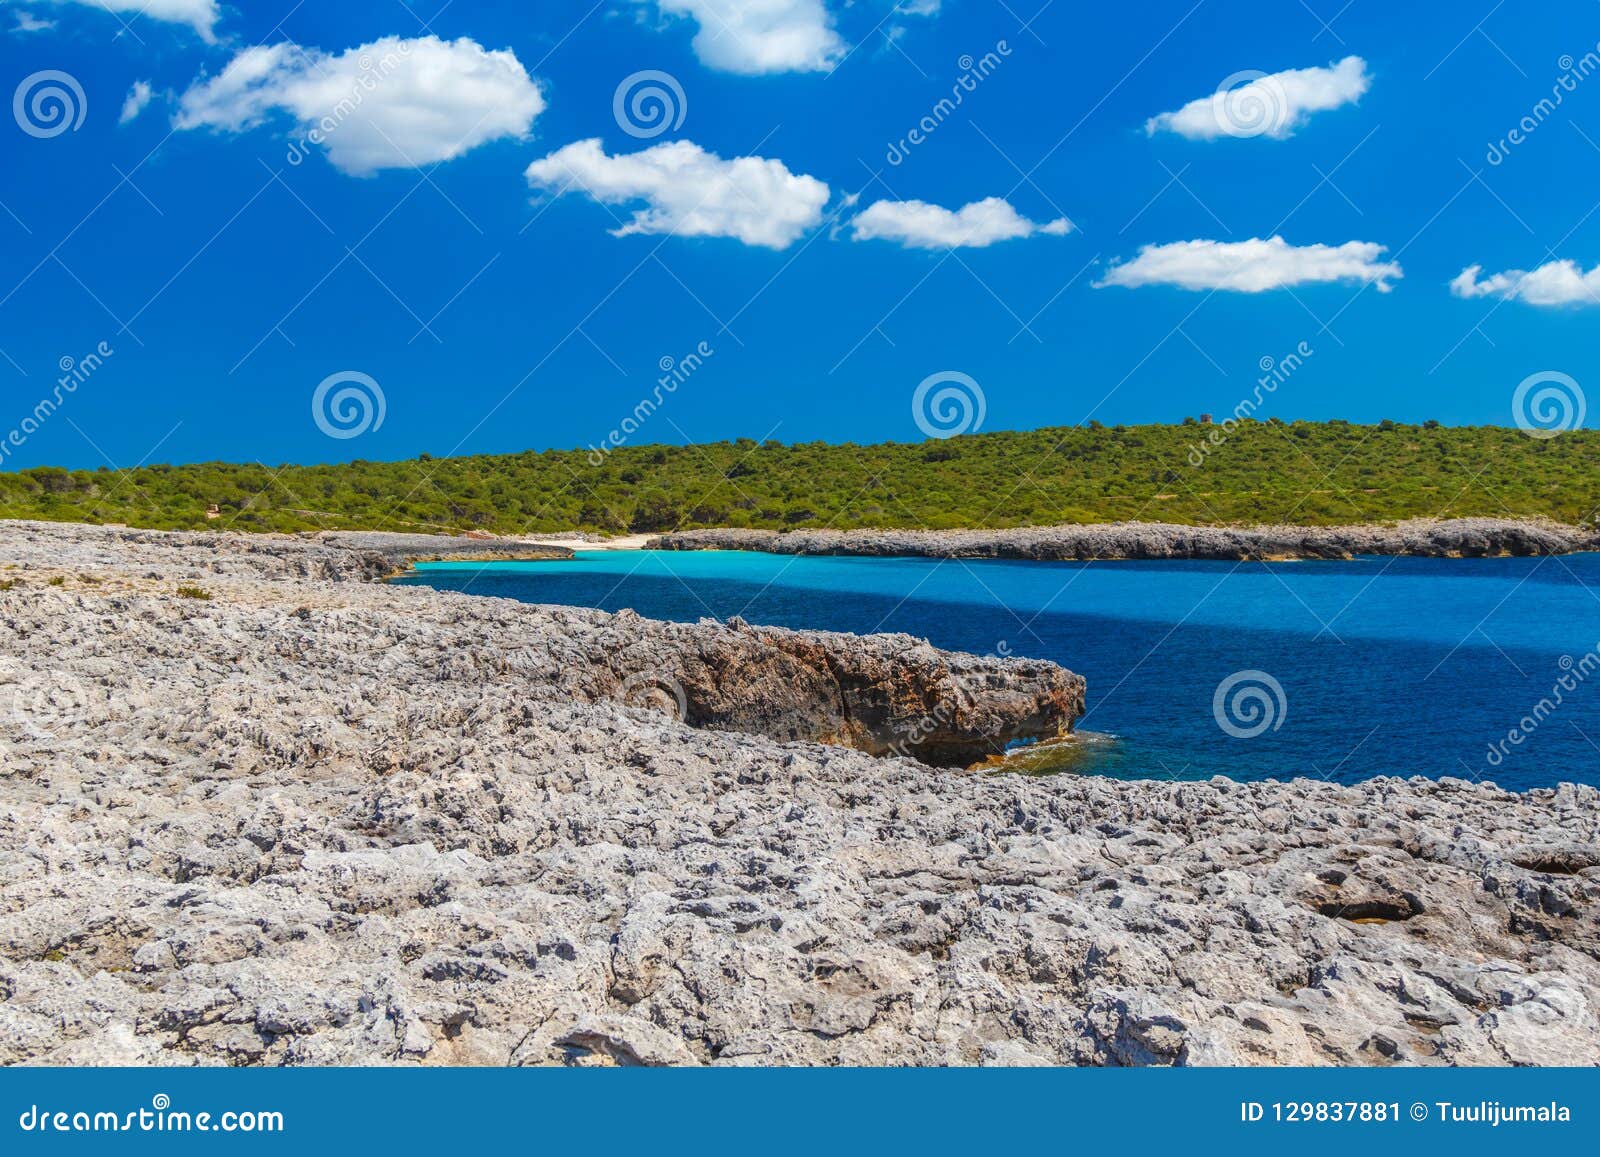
1464 537
315 820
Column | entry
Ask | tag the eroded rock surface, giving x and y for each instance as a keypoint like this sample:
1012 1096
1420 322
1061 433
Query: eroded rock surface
875 693
1464 537
319 821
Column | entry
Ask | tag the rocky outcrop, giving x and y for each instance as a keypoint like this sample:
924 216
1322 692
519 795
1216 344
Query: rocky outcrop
314 821
875 693
1462 537
334 555
383 553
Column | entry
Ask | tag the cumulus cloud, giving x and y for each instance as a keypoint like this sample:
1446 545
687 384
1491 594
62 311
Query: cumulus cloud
1553 283
134 104
689 191
390 104
919 225
1253 266
761 36
1254 104
201 15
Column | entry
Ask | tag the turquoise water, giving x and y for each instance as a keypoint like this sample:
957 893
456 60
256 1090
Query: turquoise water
1344 669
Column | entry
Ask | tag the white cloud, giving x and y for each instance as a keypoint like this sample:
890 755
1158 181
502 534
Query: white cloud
690 192
1251 104
1253 266
899 10
201 15
391 104
919 225
761 36
138 97
28 22
1553 283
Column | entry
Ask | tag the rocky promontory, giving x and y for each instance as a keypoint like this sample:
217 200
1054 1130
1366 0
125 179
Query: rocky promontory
1453 538
258 810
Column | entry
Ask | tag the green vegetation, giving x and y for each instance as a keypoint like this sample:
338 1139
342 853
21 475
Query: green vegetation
1301 472
194 593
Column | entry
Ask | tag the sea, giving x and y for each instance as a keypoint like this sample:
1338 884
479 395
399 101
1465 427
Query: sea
1482 669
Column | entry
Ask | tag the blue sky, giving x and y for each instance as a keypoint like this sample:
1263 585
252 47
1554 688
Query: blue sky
478 233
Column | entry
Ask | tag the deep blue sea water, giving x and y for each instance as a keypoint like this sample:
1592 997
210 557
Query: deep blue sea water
1399 666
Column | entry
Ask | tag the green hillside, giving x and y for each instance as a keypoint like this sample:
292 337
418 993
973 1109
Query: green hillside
1301 472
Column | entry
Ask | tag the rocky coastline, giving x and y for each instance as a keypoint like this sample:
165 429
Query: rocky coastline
263 809
1453 538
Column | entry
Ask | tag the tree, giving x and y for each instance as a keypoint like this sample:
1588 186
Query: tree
655 513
